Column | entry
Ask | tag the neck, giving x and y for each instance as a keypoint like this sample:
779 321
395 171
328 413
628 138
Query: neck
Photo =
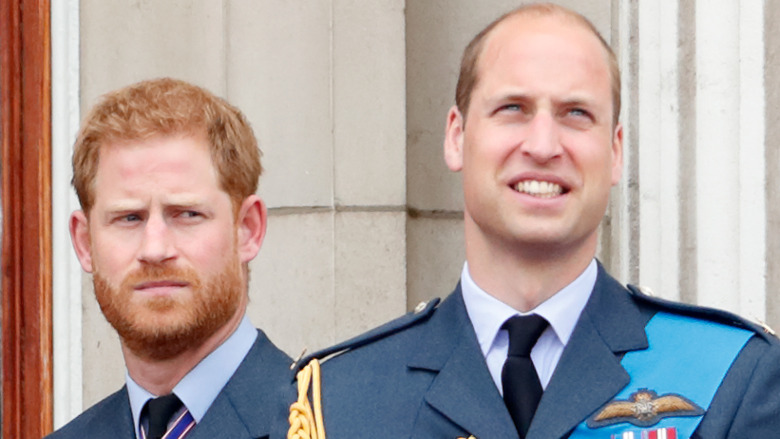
159 377
525 276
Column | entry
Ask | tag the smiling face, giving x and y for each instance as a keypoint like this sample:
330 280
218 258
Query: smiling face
538 151
164 246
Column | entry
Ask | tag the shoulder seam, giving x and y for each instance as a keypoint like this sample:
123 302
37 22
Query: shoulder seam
420 314
698 311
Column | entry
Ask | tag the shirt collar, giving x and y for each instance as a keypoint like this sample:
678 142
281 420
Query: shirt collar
562 310
200 387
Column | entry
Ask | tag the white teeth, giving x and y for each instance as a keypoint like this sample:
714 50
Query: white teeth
541 189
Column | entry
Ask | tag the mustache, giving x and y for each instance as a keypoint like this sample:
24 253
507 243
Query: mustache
156 273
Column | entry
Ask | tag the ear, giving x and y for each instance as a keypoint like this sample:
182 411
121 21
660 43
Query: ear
252 221
617 154
79 236
453 140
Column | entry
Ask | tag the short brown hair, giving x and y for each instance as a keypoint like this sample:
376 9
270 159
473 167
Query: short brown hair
469 65
161 107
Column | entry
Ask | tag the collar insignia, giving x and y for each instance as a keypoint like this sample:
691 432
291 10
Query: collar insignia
470 437
644 408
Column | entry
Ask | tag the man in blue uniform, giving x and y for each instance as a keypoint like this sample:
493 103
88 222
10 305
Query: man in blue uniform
166 174
537 340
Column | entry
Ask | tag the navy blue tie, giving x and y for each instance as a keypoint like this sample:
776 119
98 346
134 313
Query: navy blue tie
522 389
159 411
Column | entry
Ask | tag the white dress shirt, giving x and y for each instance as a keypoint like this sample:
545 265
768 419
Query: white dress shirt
200 387
562 310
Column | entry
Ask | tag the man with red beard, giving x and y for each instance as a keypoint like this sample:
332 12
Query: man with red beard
166 174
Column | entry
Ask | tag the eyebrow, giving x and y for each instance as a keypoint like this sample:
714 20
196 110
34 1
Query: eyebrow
517 93
124 205
577 100
513 97
180 200
183 200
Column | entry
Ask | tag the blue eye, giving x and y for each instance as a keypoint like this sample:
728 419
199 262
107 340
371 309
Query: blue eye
579 112
190 216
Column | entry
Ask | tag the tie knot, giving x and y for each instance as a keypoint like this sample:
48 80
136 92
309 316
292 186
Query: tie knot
523 333
160 410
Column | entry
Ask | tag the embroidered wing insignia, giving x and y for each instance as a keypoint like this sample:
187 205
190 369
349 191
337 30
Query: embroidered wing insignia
644 408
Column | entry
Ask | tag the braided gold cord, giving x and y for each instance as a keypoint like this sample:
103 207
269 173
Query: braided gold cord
306 423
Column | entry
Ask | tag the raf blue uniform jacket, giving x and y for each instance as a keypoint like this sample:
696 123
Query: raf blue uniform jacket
423 376
252 403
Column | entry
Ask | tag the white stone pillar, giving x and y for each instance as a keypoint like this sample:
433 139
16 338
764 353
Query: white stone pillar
66 271
730 189
658 148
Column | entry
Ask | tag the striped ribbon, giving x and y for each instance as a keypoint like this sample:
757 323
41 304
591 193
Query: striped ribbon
180 428
661 433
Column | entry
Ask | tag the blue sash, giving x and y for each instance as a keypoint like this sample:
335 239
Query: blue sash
672 382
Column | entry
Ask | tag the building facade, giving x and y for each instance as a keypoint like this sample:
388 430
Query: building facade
348 99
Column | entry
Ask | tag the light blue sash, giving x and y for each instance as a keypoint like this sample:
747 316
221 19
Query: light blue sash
687 358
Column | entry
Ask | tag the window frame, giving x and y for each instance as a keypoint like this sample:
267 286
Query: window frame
25 94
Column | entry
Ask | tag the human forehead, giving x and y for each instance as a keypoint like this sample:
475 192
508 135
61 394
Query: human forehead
533 41
181 199
178 150
179 161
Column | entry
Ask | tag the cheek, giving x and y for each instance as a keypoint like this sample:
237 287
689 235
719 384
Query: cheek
503 150
209 250
479 159
593 158
112 257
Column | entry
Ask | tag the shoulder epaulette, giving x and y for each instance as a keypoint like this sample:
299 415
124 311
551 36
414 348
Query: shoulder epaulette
716 315
420 313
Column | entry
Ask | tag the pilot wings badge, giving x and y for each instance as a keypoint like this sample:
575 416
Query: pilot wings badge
644 408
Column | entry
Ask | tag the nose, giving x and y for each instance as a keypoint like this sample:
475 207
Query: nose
542 142
157 242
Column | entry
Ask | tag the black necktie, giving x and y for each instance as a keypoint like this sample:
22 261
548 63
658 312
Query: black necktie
159 412
522 389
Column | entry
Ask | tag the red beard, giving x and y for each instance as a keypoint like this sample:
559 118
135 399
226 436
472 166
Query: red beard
160 328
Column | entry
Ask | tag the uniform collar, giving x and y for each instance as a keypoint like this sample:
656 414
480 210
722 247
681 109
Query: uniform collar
562 310
200 387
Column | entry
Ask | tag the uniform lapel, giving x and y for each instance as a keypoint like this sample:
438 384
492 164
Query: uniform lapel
115 419
462 389
589 373
222 420
252 402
